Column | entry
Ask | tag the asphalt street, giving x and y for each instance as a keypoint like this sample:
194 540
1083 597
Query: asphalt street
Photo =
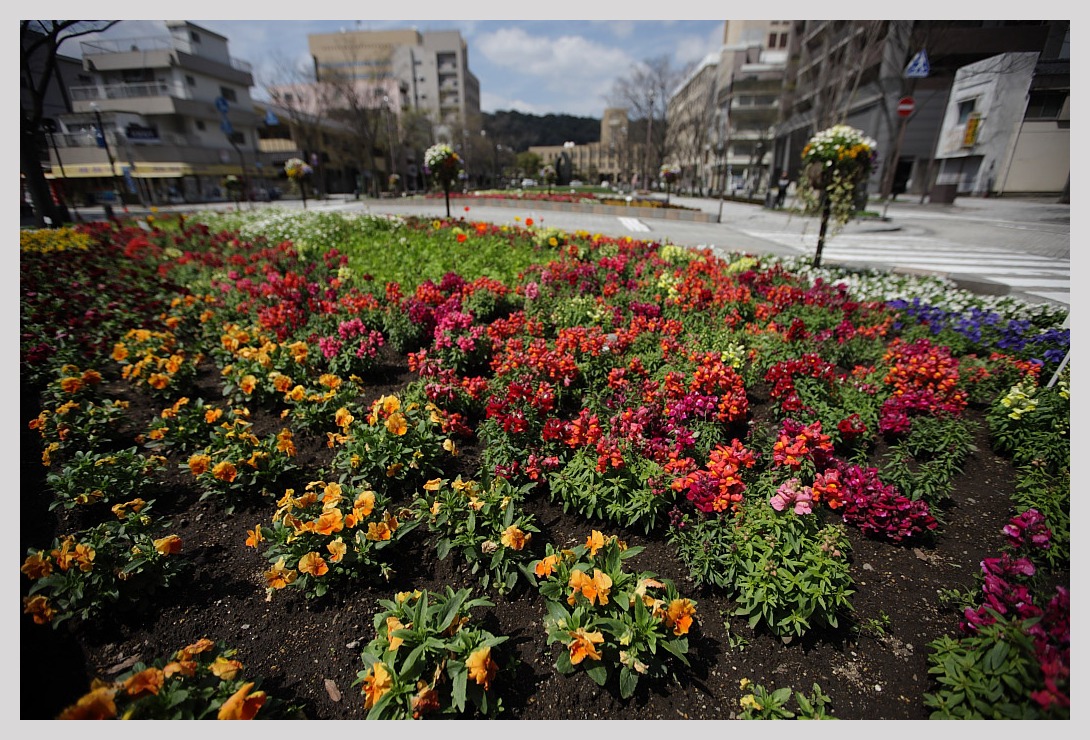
1010 246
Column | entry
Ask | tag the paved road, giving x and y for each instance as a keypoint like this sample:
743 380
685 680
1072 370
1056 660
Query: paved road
1018 245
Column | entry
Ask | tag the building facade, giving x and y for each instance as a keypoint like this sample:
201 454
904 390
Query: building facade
159 119
857 72
431 70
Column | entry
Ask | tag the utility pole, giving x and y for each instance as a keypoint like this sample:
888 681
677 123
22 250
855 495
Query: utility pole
110 157
647 151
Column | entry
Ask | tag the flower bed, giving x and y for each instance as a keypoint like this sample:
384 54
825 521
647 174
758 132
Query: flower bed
589 478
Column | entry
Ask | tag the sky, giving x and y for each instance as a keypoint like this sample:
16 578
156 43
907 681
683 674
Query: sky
532 66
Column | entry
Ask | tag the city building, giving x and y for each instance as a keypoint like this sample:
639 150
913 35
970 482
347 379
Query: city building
862 72
431 70
691 138
614 158
1007 128
159 119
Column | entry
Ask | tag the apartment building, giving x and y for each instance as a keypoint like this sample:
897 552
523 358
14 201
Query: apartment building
161 118
431 70
722 116
854 72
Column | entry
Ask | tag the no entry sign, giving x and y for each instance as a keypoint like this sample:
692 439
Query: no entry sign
905 106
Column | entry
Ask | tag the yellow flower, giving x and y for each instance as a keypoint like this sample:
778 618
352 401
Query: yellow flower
198 464
343 418
39 608
224 471
546 565
392 624
254 536
396 424
225 669
482 668
147 681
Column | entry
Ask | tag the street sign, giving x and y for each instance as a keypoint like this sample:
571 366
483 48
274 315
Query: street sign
905 106
919 66
221 105
226 127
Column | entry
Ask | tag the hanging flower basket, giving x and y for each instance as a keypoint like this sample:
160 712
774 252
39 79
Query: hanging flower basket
835 163
443 163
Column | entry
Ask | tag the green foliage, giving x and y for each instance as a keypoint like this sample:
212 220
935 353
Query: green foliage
927 462
396 444
1049 494
117 564
201 681
427 657
617 625
620 495
761 703
488 527
1033 425
332 534
989 675
785 570
92 477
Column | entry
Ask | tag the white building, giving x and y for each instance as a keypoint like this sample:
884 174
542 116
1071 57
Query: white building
1000 135
177 118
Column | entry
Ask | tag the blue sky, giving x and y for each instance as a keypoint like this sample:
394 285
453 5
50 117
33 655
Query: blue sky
534 66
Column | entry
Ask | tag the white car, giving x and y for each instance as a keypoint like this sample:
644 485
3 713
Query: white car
528 183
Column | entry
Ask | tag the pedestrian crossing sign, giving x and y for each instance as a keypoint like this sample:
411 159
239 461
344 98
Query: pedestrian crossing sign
919 66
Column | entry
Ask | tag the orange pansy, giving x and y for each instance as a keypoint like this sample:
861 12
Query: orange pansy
337 550
147 681
396 424
392 624
546 565
595 542
313 564
39 608
186 668
330 522
377 683
343 418
96 704
37 565
591 587
514 538
224 668
254 536
679 615
278 576
582 645
169 545
242 704
225 471
198 464
482 668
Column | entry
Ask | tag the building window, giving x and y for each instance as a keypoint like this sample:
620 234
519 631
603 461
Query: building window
194 37
965 109
783 40
200 125
771 41
228 94
190 80
1045 104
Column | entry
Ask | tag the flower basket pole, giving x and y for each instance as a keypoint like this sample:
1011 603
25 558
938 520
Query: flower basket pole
298 172
669 174
443 164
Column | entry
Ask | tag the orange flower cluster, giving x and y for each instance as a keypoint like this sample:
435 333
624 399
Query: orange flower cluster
101 702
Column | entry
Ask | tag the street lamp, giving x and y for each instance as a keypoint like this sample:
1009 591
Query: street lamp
110 157
647 151
569 148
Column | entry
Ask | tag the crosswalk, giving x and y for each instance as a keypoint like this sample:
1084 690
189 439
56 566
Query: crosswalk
633 224
1039 276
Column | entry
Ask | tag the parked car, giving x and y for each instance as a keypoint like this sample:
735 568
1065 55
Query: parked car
576 183
529 183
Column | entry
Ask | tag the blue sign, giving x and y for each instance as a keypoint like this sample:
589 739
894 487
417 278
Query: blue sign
221 104
100 140
919 66
226 127
126 172
271 119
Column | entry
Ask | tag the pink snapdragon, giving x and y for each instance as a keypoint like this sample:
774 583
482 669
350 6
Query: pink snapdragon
790 494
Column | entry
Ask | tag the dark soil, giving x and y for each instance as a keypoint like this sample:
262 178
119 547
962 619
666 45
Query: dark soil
301 648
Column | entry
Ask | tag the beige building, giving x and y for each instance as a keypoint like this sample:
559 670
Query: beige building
614 157
431 70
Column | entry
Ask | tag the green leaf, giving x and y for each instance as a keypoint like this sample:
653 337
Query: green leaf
628 680
458 688
598 673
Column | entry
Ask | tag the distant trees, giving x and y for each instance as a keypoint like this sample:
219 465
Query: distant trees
645 94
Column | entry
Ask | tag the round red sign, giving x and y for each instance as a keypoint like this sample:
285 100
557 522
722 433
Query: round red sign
905 106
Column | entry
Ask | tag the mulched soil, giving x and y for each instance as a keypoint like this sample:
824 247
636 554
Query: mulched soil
308 652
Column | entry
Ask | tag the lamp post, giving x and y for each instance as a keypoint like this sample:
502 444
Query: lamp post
110 157
569 148
51 128
647 151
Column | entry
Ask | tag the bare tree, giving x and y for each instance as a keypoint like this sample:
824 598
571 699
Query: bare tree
40 41
645 93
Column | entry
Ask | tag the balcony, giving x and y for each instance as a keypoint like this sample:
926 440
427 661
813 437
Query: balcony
148 45
128 91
